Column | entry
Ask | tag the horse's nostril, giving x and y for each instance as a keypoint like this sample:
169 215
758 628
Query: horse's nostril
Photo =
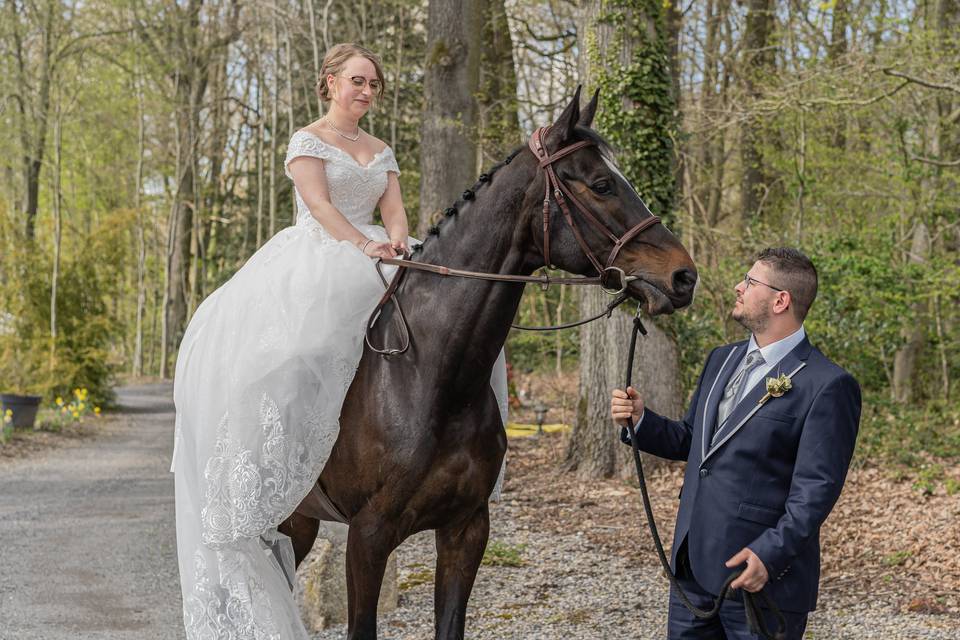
684 280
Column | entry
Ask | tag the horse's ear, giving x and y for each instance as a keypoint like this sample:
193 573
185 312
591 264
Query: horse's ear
568 119
589 111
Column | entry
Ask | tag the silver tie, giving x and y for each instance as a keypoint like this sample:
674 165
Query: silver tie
735 389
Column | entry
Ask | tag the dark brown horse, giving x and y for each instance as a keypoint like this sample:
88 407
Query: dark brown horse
422 440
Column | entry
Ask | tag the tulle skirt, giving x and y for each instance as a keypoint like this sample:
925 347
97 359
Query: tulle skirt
261 375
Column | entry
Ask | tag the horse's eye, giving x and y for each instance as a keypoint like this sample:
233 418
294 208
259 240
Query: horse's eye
601 186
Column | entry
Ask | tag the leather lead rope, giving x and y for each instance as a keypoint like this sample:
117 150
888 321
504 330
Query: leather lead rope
751 601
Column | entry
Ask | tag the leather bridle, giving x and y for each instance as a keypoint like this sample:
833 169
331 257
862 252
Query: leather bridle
556 187
559 191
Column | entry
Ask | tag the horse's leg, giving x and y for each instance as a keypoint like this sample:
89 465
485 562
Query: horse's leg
459 552
370 541
303 533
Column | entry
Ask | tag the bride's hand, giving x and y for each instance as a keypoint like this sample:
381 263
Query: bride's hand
400 247
379 250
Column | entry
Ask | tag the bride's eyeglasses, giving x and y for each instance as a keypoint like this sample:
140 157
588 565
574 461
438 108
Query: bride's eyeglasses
359 81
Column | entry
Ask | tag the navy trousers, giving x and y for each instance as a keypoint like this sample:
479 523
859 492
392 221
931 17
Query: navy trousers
730 624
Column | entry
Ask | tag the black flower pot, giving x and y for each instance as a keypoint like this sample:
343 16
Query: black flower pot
24 409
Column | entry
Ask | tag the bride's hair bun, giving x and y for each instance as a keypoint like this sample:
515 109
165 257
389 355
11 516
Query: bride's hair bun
336 58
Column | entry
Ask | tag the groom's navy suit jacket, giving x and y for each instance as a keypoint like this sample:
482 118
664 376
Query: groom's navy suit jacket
773 475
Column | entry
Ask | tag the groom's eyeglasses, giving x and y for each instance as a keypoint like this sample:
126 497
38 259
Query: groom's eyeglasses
359 81
747 281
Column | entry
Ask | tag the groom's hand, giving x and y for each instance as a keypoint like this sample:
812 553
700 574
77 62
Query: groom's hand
626 404
754 576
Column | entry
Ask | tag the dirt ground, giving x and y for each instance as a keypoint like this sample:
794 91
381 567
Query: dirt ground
885 539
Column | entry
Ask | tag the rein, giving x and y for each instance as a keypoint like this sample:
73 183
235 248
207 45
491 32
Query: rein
559 191
751 601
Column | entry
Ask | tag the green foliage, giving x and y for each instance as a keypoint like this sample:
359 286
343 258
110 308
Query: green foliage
897 434
538 350
82 356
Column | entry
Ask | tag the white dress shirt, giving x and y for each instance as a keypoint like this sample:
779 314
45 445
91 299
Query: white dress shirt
772 354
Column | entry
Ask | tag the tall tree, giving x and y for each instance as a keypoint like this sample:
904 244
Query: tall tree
38 43
625 50
451 80
758 65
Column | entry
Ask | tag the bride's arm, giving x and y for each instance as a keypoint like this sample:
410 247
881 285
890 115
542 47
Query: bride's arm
311 181
393 214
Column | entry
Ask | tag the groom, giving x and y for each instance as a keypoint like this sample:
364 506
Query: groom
763 469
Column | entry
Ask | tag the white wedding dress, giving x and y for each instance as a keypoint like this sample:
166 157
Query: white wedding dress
261 375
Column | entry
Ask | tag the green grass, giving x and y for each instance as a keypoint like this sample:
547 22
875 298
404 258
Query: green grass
501 554
896 558
415 579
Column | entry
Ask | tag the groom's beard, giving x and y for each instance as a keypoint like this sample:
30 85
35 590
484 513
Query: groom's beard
755 322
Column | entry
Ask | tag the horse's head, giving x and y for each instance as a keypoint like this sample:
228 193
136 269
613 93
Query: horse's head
611 225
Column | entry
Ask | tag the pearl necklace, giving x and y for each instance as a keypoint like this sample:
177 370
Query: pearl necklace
341 133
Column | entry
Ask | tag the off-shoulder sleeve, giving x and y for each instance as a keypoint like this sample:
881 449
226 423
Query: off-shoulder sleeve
304 143
390 161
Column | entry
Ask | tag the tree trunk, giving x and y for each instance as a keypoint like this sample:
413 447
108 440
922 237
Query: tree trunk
34 113
758 62
914 335
836 50
141 234
594 450
448 132
57 232
499 126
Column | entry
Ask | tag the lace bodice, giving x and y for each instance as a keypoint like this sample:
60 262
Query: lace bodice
355 189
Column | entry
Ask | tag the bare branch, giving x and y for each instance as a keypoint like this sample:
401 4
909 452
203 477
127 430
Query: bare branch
935 161
922 82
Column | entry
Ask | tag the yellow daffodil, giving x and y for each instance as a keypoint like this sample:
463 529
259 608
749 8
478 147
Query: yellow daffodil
59 401
96 410
81 406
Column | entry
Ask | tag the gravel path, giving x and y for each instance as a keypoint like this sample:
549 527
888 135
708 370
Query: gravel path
570 589
87 550
87 537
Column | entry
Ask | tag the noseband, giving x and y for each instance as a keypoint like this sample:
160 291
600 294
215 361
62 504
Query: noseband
556 187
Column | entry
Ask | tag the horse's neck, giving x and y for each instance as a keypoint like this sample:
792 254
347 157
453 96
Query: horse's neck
459 325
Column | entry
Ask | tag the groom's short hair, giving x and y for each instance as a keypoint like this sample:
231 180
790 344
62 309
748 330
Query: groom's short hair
795 273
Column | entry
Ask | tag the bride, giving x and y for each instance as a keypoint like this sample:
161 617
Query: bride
266 362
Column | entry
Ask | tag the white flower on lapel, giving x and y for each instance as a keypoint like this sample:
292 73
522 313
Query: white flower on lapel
776 387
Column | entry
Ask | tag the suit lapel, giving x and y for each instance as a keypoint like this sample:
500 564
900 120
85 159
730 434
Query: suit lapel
791 364
712 403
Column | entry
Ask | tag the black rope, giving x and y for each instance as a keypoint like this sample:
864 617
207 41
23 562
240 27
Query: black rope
750 600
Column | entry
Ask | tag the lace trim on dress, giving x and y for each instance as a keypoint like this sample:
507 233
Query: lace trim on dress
246 495
237 608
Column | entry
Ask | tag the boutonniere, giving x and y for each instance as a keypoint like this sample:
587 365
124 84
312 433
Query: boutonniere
776 387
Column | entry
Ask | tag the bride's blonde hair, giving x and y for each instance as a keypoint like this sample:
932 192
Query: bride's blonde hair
334 61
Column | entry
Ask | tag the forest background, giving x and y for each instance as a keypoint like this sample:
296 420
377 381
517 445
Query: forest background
141 164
